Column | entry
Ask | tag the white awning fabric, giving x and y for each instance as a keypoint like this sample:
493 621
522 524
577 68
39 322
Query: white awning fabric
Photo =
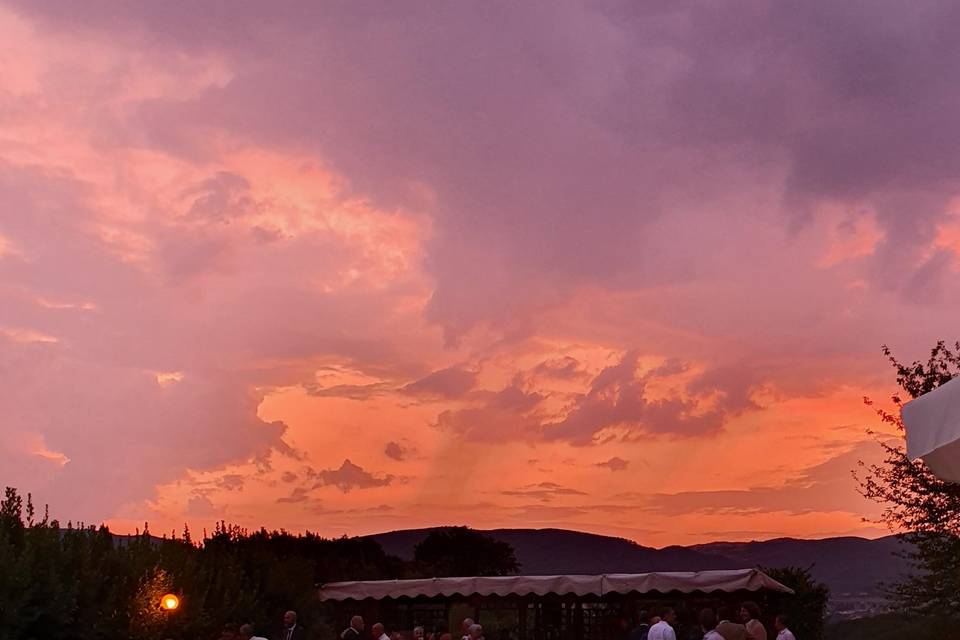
662 582
932 422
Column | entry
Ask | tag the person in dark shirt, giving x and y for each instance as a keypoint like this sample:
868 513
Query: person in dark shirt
354 630
291 629
640 631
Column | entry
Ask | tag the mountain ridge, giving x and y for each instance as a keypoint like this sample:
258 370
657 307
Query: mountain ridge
850 565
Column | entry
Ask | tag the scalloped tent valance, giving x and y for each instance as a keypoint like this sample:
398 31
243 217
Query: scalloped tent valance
622 583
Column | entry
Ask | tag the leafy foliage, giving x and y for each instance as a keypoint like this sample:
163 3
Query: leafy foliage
459 551
808 609
922 508
84 583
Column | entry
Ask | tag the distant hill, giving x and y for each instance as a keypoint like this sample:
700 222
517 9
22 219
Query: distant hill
559 551
848 565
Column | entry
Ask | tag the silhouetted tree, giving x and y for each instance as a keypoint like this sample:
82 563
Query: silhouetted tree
84 583
460 551
808 608
921 508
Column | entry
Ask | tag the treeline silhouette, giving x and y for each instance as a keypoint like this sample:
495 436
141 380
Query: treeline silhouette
83 583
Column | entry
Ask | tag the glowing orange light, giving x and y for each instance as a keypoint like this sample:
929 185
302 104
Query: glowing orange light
169 602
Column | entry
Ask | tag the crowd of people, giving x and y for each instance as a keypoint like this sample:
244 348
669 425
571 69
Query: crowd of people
723 624
291 630
469 629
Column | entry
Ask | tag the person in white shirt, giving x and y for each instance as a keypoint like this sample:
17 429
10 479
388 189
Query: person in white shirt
246 633
465 628
780 624
663 630
708 624
379 632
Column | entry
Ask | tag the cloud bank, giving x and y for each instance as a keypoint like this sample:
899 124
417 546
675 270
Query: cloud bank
255 242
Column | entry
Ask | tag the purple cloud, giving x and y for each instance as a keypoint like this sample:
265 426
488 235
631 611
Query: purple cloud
297 496
510 413
452 382
349 477
618 398
396 451
615 464
543 491
565 368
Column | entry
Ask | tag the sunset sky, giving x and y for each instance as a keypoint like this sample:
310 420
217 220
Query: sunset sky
621 267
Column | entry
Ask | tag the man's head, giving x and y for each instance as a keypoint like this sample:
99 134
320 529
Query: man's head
377 629
643 618
230 631
356 622
781 621
467 623
290 619
418 633
708 620
668 615
246 631
476 632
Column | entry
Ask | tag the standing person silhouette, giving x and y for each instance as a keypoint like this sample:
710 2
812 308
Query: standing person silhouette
783 633
750 616
292 630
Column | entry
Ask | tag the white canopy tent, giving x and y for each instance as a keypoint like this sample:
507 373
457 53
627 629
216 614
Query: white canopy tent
932 423
579 585
560 607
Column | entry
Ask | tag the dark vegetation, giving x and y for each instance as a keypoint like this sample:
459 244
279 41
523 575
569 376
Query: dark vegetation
84 583
889 626
923 509
808 609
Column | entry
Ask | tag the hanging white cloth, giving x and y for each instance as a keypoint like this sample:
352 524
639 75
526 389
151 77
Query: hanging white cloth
932 423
